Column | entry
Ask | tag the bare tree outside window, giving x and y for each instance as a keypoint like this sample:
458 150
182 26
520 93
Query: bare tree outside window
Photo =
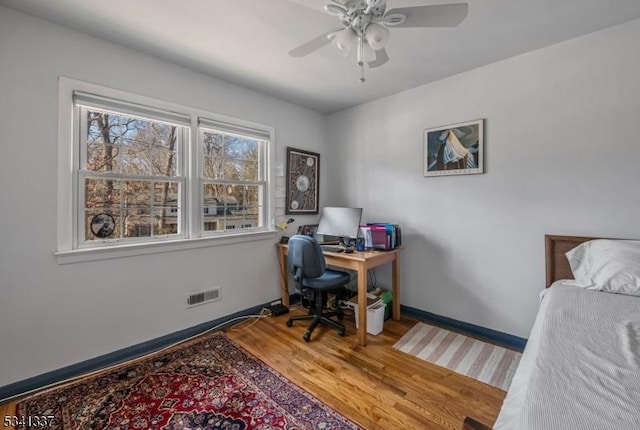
232 181
130 174
127 169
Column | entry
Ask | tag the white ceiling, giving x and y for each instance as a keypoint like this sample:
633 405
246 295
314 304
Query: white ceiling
247 41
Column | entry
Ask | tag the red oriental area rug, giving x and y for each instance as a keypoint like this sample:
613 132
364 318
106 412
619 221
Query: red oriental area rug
206 384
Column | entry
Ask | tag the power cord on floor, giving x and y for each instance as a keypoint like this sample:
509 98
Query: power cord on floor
372 278
265 312
332 303
136 359
346 309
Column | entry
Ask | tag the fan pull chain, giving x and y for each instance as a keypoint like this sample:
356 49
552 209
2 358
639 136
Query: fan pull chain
362 79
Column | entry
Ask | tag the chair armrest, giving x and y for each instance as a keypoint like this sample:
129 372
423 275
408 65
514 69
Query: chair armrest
471 424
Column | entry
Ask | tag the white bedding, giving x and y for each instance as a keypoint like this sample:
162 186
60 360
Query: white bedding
581 366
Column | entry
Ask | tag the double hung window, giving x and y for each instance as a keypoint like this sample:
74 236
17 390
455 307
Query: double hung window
143 172
233 176
131 182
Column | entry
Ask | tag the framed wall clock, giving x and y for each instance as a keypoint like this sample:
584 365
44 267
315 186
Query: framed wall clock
303 181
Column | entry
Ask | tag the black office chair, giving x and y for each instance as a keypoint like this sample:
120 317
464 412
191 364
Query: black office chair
305 262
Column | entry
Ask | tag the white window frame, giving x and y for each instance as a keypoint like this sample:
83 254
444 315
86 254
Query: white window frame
80 143
192 234
212 126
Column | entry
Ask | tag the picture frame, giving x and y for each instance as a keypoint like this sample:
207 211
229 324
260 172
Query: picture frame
455 149
308 230
302 182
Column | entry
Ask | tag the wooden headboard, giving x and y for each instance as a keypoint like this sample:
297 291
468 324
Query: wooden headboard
557 265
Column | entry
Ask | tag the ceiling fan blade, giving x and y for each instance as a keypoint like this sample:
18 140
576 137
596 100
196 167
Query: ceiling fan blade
312 5
439 15
381 58
313 44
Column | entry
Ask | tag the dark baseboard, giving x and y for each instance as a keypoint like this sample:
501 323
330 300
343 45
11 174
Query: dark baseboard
494 336
135 351
116 357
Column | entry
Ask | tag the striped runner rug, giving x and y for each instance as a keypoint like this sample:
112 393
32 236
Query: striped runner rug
479 360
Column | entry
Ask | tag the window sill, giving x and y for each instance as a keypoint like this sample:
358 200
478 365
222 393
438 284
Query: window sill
131 250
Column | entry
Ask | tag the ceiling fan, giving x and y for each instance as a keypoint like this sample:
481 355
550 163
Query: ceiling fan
365 27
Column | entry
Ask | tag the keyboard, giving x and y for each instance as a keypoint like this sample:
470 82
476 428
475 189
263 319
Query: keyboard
326 248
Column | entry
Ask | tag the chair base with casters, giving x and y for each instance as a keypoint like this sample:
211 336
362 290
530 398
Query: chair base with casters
306 263
317 316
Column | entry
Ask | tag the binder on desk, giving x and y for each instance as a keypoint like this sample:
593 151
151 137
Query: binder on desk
393 232
375 237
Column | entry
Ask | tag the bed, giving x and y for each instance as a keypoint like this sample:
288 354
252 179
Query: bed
581 366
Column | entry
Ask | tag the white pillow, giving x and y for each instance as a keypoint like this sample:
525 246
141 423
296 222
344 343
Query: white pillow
607 265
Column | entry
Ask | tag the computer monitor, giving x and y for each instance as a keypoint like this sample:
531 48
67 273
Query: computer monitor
341 222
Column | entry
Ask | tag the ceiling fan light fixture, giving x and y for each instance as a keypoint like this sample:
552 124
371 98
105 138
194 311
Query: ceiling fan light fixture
335 9
366 27
394 19
364 53
372 4
377 35
368 54
345 41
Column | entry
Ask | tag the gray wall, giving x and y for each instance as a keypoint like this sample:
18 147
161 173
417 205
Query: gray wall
562 156
55 315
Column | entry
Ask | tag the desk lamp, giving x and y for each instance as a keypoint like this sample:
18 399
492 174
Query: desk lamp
283 226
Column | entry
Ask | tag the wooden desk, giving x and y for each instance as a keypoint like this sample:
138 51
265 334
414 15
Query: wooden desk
361 262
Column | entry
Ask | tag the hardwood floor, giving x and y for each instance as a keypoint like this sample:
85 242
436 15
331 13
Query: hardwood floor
7 409
375 386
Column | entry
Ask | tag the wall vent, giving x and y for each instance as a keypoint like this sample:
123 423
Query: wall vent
204 296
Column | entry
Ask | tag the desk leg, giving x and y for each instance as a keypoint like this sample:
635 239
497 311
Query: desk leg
395 282
362 304
284 287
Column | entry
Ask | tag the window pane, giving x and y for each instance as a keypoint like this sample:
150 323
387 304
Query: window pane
166 221
102 193
164 162
229 169
252 196
231 207
102 157
138 208
137 195
249 171
213 167
218 205
215 200
230 157
250 150
252 217
138 223
166 194
124 144
212 144
166 206
241 148
163 139
234 147
233 170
